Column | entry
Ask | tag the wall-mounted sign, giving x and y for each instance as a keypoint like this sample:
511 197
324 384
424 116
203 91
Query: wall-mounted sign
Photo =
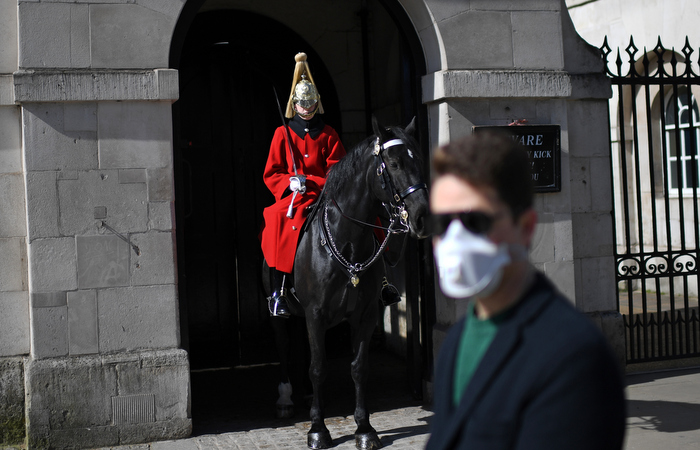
543 145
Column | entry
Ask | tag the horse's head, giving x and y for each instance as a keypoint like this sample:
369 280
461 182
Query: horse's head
397 178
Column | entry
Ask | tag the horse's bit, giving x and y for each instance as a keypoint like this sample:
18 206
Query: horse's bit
398 217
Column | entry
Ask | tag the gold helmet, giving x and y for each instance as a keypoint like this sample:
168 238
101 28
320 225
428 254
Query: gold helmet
304 90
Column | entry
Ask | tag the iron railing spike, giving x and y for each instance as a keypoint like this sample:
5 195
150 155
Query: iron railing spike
605 50
618 63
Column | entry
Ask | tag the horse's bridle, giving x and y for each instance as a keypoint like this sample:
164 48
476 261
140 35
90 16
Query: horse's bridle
398 216
398 206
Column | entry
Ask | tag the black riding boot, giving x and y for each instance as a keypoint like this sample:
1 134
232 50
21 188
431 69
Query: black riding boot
390 295
277 302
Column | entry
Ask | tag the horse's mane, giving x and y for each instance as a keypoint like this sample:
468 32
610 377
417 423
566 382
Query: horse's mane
346 169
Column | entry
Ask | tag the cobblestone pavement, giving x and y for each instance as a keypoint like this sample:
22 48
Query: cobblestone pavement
399 429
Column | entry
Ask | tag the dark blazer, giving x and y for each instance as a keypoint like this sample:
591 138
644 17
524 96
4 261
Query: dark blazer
548 381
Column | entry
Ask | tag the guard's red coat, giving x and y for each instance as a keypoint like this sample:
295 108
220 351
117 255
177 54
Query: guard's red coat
280 234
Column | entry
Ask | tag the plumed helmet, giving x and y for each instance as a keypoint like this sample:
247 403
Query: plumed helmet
304 91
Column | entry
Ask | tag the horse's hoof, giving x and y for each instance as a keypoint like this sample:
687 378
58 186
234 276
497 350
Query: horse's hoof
320 439
285 411
367 441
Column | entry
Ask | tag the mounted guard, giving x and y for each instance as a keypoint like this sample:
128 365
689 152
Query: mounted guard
302 153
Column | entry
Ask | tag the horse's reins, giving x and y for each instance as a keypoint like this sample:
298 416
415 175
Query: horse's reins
399 214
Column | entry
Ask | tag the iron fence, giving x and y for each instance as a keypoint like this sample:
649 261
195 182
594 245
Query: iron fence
654 146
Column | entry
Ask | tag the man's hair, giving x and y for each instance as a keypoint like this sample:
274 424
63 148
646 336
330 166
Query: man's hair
489 159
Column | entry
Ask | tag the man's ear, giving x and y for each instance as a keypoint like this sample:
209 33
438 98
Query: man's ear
527 222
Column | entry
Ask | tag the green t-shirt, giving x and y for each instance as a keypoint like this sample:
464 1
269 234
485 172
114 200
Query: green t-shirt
477 336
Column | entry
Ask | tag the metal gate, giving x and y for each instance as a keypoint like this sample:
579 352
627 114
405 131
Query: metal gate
654 141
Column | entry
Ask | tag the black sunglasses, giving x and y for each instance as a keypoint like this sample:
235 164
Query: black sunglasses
474 221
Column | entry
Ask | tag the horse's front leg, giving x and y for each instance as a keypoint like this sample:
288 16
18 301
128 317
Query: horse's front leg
366 437
318 436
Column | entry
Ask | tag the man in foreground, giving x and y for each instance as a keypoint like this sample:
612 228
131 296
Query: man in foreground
523 369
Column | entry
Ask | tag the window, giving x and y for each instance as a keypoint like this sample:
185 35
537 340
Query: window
682 141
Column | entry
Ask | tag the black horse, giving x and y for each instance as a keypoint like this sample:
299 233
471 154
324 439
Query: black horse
335 277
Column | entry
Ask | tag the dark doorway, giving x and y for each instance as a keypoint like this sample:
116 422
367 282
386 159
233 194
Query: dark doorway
226 116
228 61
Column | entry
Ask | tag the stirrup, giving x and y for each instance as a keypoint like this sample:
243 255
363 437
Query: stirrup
277 304
390 295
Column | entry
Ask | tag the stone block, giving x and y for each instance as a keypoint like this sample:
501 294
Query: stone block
160 185
455 84
10 137
135 135
601 184
53 263
164 374
12 219
127 176
537 40
74 392
445 10
49 146
595 284
170 8
587 138
7 90
53 85
80 36
516 5
562 274
156 263
80 116
49 332
42 205
126 204
592 234
90 437
143 35
488 31
139 317
542 248
14 324
49 299
580 176
12 427
53 35
511 109
103 261
82 323
160 216
8 36
563 238
13 269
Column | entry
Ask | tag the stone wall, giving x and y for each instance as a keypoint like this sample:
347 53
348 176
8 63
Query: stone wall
87 233
506 61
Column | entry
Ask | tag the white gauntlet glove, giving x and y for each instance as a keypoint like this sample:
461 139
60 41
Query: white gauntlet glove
297 184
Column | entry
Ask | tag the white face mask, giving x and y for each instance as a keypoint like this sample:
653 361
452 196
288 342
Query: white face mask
469 264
